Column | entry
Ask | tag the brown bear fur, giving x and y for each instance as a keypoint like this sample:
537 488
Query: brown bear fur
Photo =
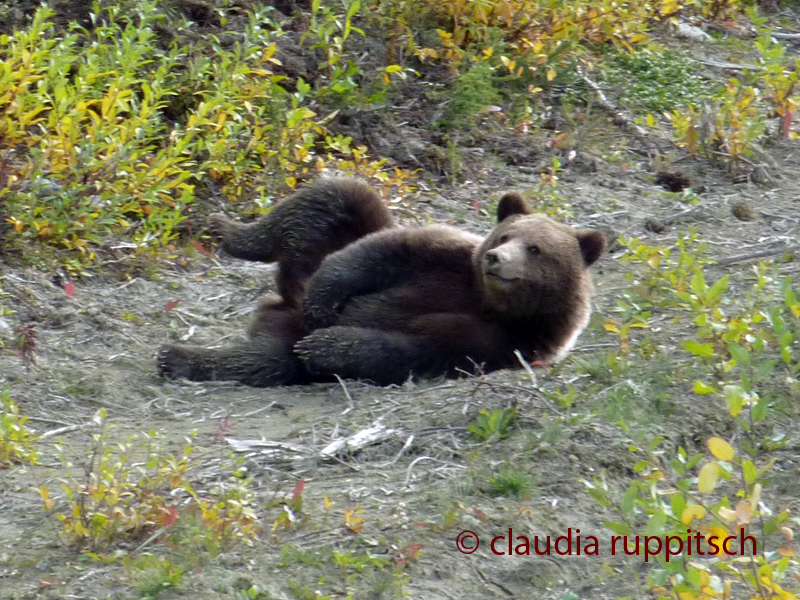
420 301
299 232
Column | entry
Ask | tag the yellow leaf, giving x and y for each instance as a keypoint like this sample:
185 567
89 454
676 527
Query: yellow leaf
721 449
755 497
692 512
727 514
702 389
669 7
744 512
551 74
707 479
720 532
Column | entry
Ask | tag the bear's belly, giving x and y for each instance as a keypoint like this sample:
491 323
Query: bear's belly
394 308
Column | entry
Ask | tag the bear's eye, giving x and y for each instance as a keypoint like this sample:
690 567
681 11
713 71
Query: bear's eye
534 250
503 239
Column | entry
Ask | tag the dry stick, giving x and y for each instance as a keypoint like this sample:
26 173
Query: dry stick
149 540
351 404
661 223
772 216
406 446
53 421
726 65
527 367
258 410
753 255
418 459
672 218
620 118
785 36
66 429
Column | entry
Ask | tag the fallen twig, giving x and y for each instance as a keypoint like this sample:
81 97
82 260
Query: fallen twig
272 404
350 404
785 36
66 429
658 225
726 65
527 367
672 218
374 434
149 540
737 258
620 119
421 458
405 447
271 449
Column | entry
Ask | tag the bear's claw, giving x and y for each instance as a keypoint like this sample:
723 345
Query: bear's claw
218 225
173 362
323 352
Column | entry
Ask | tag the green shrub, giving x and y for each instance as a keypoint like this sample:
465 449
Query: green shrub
473 90
653 81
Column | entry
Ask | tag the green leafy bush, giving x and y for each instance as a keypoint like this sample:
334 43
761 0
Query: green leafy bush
473 91
16 439
108 134
655 81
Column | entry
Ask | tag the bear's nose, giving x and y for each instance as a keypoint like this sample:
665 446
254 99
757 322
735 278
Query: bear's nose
491 258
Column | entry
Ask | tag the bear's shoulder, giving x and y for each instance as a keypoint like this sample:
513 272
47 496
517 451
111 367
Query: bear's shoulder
432 241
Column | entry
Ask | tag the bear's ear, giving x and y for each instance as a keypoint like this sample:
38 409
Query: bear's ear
512 203
593 244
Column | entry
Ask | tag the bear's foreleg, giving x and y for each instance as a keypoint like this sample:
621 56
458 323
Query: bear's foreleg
382 357
435 344
257 363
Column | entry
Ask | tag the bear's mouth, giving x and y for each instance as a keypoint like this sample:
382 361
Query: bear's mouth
496 277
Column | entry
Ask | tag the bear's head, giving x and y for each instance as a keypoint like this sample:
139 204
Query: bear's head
532 265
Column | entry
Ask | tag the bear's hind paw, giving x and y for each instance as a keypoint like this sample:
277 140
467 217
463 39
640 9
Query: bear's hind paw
174 362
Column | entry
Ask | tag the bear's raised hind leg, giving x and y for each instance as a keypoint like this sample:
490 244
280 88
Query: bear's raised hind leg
254 241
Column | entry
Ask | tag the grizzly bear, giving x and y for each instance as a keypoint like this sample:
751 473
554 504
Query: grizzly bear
362 298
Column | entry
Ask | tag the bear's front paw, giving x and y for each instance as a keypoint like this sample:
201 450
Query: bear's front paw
219 225
175 362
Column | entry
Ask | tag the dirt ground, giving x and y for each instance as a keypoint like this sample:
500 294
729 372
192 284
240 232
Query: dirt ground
428 481
96 350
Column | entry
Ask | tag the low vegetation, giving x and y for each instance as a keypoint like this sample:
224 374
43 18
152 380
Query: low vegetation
121 130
